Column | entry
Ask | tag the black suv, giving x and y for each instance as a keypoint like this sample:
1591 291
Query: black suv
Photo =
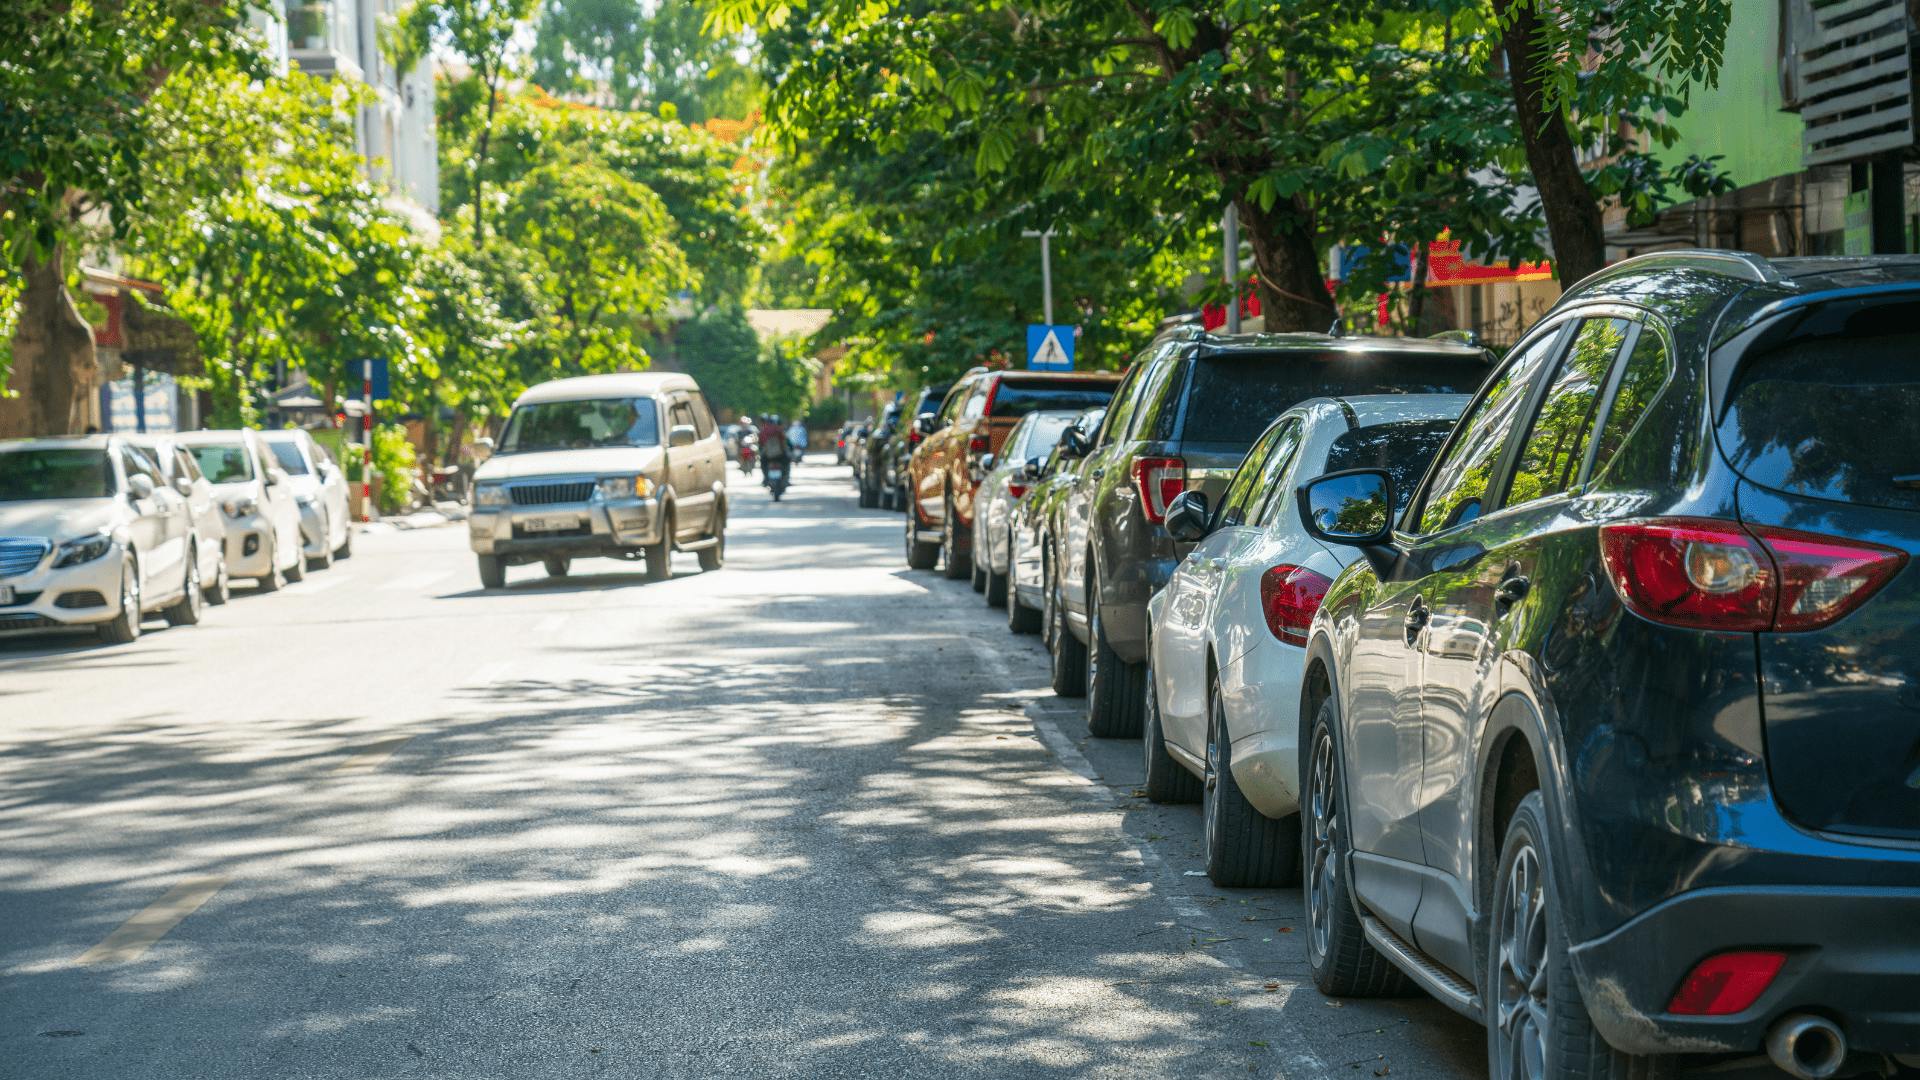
869 455
901 439
1613 738
1190 406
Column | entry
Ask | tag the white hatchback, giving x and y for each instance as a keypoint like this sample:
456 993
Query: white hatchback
320 489
1227 636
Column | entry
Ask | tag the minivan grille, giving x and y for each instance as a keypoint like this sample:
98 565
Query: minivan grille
571 491
19 554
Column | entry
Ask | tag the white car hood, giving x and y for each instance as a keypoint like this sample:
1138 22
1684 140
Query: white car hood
608 461
59 519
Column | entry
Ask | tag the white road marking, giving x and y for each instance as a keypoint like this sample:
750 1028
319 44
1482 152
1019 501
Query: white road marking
135 936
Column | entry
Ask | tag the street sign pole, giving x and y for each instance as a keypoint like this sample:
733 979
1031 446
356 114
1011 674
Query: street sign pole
1230 230
1046 270
366 441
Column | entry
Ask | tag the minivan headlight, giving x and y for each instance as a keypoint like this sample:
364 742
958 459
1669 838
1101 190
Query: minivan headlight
84 550
624 487
490 495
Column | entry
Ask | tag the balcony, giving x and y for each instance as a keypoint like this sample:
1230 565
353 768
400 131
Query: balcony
321 42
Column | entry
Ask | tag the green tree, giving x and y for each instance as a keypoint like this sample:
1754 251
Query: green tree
739 374
658 55
76 140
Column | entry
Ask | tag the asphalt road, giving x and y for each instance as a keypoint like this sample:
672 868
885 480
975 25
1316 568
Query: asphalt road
812 815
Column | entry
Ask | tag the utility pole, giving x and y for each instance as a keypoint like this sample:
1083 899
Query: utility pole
1046 271
1230 230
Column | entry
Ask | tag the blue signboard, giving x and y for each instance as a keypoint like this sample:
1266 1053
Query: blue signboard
1049 348
380 384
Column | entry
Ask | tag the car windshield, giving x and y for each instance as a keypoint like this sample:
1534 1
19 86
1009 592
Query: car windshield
1233 399
55 474
288 456
581 425
223 463
1017 399
1831 418
1404 449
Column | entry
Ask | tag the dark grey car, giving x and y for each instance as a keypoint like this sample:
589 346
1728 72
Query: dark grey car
1190 406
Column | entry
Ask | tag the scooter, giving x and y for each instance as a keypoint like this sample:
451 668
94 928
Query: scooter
777 480
747 455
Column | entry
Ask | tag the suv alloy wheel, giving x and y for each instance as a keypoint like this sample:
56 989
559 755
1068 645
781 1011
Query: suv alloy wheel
186 610
1069 656
125 627
1339 957
1114 686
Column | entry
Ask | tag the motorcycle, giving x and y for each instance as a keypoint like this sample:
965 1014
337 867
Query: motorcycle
747 454
777 480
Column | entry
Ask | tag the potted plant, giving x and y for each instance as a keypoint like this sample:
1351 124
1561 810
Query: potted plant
307 26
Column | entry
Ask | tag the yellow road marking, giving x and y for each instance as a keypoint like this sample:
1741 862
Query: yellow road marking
137 935
373 756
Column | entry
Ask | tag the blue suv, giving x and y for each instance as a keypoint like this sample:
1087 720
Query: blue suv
1614 734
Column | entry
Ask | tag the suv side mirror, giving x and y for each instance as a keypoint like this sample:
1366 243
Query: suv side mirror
276 476
682 435
1187 517
1352 509
1031 470
926 423
987 462
183 485
1074 444
140 487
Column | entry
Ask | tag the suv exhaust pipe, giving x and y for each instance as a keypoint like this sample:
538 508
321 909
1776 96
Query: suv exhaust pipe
1807 1046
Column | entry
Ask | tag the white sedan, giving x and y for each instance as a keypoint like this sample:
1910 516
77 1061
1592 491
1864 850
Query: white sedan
263 520
320 489
1227 635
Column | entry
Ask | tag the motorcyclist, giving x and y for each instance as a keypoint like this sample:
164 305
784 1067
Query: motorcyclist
773 447
747 437
797 438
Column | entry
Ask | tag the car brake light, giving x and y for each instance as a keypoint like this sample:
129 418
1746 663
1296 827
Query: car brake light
914 437
1289 595
1016 491
977 444
1159 480
1709 574
1726 983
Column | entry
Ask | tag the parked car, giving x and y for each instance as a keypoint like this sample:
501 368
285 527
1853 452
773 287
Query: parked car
1227 637
973 421
320 488
904 438
869 462
1612 730
623 466
92 535
1031 584
182 473
1191 406
843 441
1010 472
264 544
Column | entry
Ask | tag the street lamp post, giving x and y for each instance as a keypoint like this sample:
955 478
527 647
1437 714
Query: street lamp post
1230 227
1046 271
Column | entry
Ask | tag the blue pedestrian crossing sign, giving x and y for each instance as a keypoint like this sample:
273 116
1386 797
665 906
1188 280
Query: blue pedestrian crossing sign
1049 348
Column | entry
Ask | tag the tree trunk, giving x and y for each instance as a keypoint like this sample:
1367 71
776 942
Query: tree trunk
457 436
1293 289
53 347
1572 212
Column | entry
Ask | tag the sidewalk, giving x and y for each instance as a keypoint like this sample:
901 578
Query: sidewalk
437 516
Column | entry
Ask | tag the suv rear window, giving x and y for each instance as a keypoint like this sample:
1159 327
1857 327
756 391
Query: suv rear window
1017 399
1233 399
1832 418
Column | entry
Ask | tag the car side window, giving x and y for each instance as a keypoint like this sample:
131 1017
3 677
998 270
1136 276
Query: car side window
1647 370
1271 492
702 415
976 404
681 413
136 464
1154 417
1233 503
188 467
956 397
1556 446
1459 488
1126 400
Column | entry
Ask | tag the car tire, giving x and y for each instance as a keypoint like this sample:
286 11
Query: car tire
950 558
221 590
186 610
1168 782
345 550
557 565
1245 849
1069 655
713 558
1021 619
1339 957
1114 687
273 579
297 571
996 587
659 556
124 628
323 561
868 497
493 572
920 555
1530 980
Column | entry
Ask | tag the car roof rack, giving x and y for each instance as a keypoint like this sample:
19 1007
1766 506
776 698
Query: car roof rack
1742 265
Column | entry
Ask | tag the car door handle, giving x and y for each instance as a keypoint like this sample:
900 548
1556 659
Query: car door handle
1510 592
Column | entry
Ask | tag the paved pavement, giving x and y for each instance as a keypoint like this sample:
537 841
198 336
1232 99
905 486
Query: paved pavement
812 815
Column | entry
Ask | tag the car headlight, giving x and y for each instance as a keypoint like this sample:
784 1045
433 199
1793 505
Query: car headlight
624 487
240 507
490 495
84 550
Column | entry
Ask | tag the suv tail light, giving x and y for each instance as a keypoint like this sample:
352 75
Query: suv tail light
1709 574
1159 480
1016 491
1726 983
977 444
1289 595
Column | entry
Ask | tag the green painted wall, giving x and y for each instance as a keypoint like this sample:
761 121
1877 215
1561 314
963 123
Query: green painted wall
1740 119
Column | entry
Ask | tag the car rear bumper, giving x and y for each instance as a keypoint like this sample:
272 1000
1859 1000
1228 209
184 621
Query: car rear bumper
45 598
1256 688
1853 956
597 528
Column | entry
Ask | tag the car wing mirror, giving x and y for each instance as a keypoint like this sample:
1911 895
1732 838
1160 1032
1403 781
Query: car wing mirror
987 462
276 477
140 487
926 423
1032 469
1187 517
183 485
1352 509
682 435
1073 443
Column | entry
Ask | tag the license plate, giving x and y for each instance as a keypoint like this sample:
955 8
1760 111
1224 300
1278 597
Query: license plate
549 524
776 474
6 595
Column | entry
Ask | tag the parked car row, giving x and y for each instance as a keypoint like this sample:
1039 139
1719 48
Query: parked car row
1580 690
103 531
